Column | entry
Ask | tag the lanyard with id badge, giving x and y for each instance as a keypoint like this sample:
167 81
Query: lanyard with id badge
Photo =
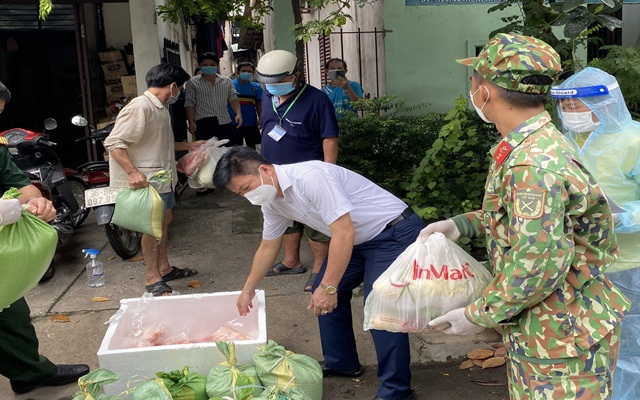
278 131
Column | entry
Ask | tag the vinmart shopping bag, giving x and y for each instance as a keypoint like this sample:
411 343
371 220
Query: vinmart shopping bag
426 281
26 250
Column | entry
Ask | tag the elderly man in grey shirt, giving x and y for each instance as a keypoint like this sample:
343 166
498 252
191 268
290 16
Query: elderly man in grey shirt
140 144
206 101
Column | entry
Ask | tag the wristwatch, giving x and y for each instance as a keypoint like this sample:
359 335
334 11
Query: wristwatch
328 288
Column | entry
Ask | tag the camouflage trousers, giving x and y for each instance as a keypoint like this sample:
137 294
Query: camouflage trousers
588 377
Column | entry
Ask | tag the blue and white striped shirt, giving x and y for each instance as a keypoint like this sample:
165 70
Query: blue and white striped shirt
210 100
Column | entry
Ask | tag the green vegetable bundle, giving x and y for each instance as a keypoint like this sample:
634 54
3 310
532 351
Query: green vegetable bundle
229 379
185 385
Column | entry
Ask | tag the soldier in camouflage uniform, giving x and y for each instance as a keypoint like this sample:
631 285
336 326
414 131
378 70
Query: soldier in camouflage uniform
549 235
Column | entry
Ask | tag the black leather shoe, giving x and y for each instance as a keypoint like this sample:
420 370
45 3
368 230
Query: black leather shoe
412 396
326 371
63 375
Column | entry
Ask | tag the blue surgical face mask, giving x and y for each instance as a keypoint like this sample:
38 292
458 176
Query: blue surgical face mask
246 76
209 70
280 89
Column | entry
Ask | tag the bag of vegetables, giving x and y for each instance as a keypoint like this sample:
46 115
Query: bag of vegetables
26 250
426 281
229 379
275 393
185 385
285 369
203 177
141 210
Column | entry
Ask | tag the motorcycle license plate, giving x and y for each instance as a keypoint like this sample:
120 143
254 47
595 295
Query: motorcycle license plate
100 196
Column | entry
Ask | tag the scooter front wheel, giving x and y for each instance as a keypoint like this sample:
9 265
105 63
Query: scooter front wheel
124 242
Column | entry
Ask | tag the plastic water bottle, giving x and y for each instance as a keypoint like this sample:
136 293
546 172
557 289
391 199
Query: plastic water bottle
95 268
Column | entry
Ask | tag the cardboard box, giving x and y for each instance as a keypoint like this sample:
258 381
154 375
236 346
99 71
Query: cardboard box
102 122
110 56
129 85
191 316
114 92
114 70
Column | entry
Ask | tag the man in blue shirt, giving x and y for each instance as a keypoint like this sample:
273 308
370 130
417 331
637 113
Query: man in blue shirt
341 91
249 95
298 124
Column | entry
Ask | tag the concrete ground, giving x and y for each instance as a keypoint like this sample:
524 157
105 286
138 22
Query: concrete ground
218 234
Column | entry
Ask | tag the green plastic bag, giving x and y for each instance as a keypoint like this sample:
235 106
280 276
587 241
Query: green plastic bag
91 385
151 389
275 393
141 210
26 250
285 369
185 385
229 379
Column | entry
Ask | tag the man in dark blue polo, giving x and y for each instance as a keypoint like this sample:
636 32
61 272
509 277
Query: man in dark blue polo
298 124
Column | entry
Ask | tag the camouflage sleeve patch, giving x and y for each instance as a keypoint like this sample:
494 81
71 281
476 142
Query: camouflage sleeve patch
529 202
4 141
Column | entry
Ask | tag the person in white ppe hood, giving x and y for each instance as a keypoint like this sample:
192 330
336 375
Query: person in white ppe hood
597 121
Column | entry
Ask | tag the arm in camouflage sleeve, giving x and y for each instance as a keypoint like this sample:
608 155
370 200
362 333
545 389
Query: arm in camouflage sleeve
533 250
469 224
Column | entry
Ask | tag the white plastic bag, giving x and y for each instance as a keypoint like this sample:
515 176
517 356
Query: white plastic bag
203 176
426 281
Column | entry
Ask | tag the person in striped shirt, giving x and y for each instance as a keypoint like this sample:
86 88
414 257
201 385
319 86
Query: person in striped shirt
207 96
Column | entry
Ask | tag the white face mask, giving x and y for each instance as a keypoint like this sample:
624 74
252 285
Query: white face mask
579 122
172 98
479 110
262 195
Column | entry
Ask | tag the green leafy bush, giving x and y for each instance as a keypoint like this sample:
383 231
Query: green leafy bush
624 64
388 141
450 178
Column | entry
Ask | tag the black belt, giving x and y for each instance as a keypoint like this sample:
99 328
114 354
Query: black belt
405 215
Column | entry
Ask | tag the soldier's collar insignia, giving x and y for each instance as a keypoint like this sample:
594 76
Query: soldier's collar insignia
529 202
502 152
4 141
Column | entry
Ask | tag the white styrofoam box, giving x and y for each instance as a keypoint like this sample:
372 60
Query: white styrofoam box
199 314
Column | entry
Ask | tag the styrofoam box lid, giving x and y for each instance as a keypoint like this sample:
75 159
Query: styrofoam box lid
198 314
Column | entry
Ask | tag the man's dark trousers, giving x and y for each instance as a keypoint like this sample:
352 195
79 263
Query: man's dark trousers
368 261
19 346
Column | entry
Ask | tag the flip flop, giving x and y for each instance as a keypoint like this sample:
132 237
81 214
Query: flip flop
310 281
179 273
284 270
159 288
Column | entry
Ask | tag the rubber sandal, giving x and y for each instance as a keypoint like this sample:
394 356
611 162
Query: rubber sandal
284 270
310 281
179 273
159 288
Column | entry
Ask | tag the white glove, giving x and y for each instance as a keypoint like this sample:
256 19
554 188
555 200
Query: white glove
447 227
10 211
460 325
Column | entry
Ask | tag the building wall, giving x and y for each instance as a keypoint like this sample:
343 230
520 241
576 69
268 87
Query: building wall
279 36
631 28
426 40
117 22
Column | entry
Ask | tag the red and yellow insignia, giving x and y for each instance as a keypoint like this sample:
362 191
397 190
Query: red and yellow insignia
528 202
4 141
502 152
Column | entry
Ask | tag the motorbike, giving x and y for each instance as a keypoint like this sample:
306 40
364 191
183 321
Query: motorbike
33 153
101 198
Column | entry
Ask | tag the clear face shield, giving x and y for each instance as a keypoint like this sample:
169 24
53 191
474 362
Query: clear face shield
575 115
